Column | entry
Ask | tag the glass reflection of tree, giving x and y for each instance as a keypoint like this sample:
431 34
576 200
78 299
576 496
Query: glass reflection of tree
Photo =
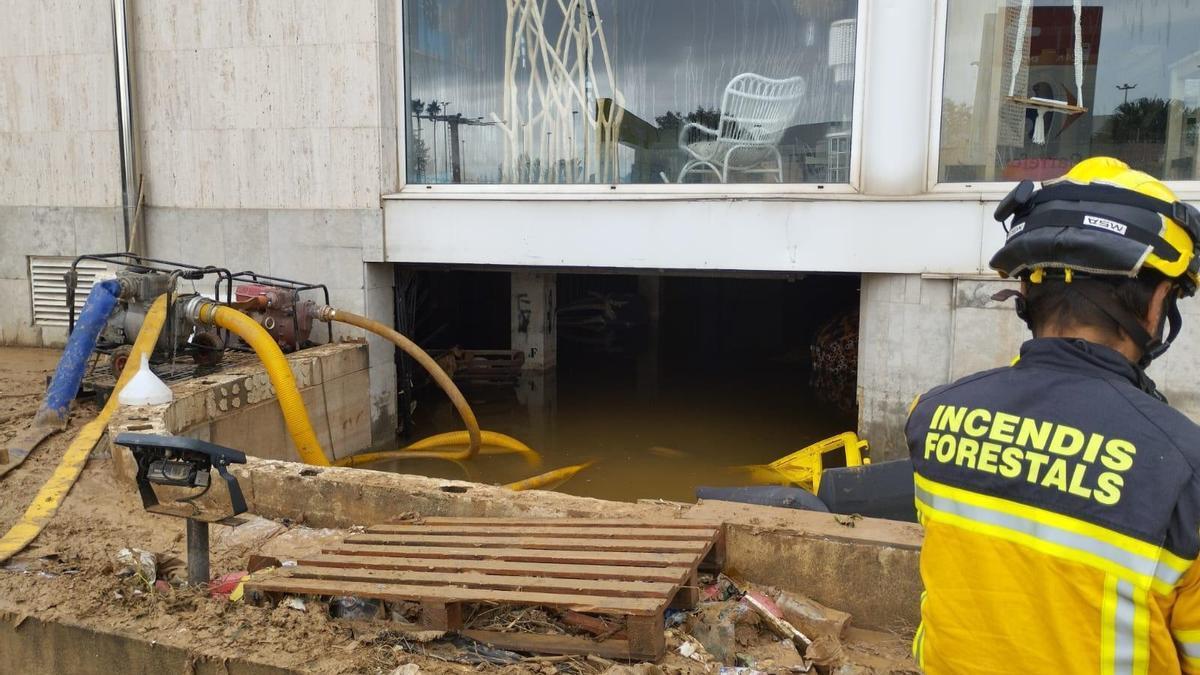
709 117
1142 120
419 152
432 109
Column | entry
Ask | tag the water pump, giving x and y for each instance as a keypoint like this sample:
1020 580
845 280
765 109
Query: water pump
142 280
281 311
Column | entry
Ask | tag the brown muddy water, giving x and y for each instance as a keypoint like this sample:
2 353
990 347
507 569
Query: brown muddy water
685 378
651 437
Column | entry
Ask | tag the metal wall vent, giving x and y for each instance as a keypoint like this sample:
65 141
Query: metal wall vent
48 286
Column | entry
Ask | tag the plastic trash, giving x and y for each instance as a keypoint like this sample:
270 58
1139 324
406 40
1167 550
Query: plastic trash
689 650
349 607
478 653
224 586
145 388
139 563
675 617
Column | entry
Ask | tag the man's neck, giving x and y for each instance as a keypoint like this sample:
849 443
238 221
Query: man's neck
1121 344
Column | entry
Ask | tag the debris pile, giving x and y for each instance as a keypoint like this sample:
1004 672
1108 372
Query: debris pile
738 629
747 629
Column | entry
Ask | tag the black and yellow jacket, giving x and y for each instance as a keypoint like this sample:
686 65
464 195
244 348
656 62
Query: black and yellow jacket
1061 505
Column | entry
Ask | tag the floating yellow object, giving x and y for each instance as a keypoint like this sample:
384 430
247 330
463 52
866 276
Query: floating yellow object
667 453
494 443
803 468
550 479
55 490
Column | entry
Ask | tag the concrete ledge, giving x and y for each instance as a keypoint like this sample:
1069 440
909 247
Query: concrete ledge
869 569
802 551
32 646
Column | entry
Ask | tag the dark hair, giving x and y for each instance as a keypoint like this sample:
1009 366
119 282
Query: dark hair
1055 304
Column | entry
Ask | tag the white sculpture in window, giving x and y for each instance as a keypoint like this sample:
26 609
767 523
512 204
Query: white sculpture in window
549 82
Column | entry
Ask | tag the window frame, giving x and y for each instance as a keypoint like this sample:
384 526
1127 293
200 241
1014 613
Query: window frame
631 191
1187 190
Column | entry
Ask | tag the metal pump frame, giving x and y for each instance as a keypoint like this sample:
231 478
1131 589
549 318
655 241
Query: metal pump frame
296 287
175 270
223 292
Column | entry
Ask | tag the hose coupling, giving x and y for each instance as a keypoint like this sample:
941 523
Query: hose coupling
200 309
126 288
326 313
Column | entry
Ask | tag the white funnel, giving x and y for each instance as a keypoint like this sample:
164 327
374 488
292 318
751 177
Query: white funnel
145 388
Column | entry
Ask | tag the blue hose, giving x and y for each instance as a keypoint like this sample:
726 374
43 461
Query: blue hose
80 344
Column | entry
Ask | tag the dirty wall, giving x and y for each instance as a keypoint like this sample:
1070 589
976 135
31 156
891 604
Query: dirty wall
267 135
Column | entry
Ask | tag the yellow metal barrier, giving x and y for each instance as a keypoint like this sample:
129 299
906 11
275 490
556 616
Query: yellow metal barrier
803 467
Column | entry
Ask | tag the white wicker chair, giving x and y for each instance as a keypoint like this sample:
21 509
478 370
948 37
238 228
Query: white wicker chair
755 111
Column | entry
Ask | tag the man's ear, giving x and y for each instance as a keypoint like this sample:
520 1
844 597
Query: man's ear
1153 318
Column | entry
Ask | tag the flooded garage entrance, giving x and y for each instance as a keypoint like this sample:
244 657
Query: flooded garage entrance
664 382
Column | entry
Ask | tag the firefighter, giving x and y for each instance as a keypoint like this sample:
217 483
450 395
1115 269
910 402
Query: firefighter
1060 495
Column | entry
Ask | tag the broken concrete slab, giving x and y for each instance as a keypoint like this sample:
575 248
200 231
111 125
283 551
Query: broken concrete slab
809 616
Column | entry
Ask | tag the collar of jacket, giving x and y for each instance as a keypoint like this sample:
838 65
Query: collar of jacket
1085 358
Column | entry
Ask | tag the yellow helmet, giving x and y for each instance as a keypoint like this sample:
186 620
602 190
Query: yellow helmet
1101 218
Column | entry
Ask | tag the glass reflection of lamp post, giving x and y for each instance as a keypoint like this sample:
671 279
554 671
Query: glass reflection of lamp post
446 134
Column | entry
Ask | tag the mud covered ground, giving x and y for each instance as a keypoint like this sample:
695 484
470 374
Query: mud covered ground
70 572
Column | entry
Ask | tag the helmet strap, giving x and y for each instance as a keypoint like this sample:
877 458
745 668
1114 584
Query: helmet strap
1171 321
1152 347
1022 306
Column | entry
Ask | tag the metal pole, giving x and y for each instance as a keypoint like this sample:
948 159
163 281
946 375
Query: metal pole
197 552
126 122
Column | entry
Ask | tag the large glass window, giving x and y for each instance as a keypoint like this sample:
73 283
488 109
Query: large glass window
1032 86
629 91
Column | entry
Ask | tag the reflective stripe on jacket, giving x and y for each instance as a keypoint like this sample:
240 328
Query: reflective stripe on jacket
1061 506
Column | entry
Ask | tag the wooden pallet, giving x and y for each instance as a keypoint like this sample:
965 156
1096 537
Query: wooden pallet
630 569
482 367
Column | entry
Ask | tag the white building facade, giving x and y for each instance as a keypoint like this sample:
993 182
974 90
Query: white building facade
298 139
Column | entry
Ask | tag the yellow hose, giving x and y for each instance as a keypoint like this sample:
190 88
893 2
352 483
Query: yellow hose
550 479
55 490
474 436
295 415
494 443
